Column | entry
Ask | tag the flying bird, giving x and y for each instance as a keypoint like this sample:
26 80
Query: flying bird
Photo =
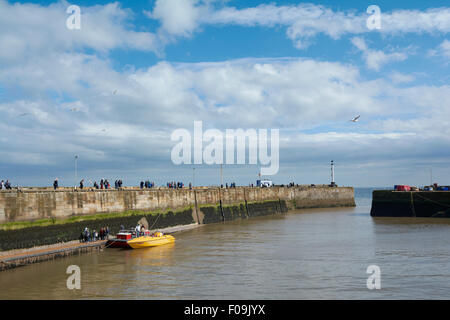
23 114
355 119
115 91
74 109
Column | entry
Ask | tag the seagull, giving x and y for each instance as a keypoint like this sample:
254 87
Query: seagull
355 119
115 91
74 109
23 114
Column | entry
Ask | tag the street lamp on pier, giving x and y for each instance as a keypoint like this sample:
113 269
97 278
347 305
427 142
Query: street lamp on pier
333 184
76 174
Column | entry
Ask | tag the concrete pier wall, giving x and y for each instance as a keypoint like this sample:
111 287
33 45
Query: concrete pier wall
388 203
31 205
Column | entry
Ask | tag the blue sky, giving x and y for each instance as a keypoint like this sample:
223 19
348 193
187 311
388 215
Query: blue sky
301 67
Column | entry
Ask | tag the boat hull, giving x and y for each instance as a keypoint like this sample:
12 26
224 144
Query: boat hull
148 242
117 243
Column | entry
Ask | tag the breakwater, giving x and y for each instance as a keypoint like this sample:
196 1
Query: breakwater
32 218
32 205
424 204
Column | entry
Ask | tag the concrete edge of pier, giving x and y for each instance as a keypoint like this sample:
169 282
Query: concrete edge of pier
39 254
17 258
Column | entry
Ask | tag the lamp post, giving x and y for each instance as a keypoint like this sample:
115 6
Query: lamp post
193 177
76 175
332 173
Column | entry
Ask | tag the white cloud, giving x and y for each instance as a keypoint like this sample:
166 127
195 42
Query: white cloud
442 50
399 78
31 30
292 94
416 21
178 17
303 21
375 59
445 48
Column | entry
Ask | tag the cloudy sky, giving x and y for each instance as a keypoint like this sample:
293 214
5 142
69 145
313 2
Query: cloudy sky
113 91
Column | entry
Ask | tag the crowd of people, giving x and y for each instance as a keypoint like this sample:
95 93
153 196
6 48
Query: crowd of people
5 185
88 236
147 184
104 184
175 185
118 184
232 185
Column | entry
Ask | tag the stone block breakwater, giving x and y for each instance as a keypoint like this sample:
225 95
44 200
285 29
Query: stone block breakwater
32 218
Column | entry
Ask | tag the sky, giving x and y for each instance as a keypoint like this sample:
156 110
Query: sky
113 91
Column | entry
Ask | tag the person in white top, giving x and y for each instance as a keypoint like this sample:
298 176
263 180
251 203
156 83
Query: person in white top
138 230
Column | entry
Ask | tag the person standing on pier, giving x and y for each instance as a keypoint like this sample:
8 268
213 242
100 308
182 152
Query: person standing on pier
86 235
55 184
137 230
2 184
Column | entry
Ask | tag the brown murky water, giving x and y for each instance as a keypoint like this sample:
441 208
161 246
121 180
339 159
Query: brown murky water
310 254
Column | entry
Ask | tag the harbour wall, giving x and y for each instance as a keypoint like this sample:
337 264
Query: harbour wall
67 213
31 205
424 204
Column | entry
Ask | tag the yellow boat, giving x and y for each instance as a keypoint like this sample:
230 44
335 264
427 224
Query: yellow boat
157 239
